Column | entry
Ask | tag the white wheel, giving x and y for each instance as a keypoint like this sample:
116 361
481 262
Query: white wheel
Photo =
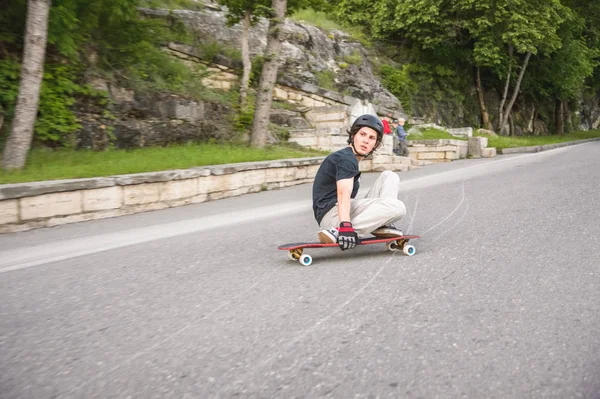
409 250
305 260
291 256
392 246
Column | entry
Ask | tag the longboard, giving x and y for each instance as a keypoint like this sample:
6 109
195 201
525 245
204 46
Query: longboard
399 243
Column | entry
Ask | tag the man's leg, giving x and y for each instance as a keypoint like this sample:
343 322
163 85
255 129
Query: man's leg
380 207
403 148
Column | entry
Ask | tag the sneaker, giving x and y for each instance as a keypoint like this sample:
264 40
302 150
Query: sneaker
387 231
328 236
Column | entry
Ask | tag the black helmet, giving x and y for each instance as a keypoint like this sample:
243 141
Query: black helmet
369 121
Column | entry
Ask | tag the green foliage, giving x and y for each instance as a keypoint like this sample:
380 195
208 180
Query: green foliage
55 119
10 70
257 67
243 119
399 83
326 79
353 59
323 20
126 49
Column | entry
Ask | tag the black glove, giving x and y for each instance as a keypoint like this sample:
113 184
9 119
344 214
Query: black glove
347 237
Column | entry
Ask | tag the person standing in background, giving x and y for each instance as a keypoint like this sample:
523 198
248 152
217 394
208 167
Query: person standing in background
386 124
400 147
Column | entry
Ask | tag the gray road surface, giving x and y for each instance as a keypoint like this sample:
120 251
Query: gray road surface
502 299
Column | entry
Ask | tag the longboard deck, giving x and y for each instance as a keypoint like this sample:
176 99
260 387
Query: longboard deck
366 241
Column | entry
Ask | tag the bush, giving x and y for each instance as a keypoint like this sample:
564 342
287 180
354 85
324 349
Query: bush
399 83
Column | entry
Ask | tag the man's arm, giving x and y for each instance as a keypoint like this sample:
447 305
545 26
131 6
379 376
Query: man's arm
344 191
347 237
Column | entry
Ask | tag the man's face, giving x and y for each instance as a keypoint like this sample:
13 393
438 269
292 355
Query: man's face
364 141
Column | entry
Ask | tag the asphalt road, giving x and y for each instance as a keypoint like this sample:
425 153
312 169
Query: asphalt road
502 299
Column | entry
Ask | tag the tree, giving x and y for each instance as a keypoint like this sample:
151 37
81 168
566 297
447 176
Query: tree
264 98
32 71
492 30
247 12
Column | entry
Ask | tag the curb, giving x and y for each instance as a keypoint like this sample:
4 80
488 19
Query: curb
539 148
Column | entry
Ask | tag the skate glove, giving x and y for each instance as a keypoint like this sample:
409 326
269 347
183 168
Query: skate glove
347 238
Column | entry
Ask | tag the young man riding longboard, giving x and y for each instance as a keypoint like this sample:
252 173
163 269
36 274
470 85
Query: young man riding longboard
343 218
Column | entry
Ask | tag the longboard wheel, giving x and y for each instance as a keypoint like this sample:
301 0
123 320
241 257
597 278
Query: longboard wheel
392 246
305 260
409 250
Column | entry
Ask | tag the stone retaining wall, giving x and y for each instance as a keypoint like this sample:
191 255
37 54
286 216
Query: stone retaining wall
446 150
28 206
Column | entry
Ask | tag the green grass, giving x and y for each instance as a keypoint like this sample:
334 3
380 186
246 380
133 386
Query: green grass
510 142
513 142
321 20
69 164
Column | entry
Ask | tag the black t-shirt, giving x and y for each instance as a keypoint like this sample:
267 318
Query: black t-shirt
339 165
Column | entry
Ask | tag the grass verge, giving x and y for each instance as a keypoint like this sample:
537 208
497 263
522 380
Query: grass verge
501 142
70 164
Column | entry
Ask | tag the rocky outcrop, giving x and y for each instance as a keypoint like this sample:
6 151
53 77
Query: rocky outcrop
306 52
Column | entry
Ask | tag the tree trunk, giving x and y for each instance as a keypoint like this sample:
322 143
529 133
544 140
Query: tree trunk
505 93
245 61
32 72
260 124
516 90
558 117
485 117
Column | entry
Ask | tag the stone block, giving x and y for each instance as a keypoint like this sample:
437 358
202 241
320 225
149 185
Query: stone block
311 171
452 155
461 131
329 124
49 205
280 94
301 173
102 199
475 146
484 142
433 148
307 102
305 141
331 131
178 189
338 141
142 193
248 178
9 211
331 116
380 158
280 174
431 155
488 152
214 183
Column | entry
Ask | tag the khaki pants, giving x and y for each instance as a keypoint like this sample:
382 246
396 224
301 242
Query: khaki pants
380 207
